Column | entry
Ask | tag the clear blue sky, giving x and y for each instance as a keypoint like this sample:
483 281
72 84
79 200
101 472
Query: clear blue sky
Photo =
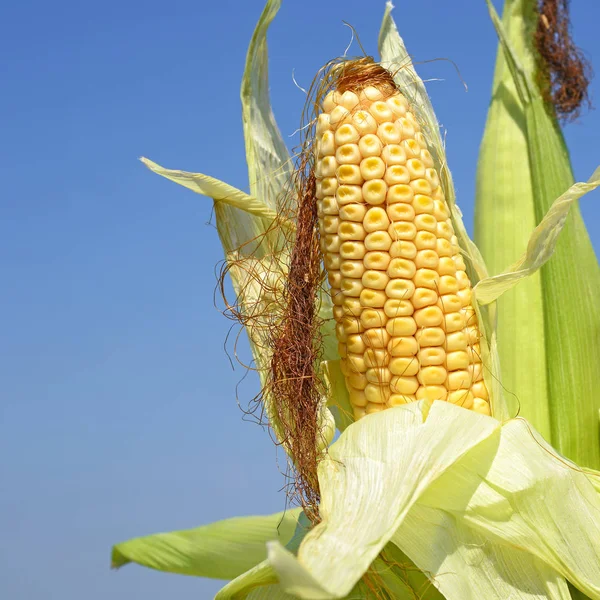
117 413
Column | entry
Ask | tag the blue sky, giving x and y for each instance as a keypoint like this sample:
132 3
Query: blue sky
118 414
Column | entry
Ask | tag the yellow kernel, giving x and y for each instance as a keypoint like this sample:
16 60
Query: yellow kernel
408 130
443 247
450 303
359 412
346 134
401 267
481 406
401 326
459 262
329 186
424 297
351 231
458 359
422 204
432 356
458 380
472 334
425 278
357 380
330 223
463 280
352 250
373 317
372 168
416 168
376 219
374 191
432 178
332 262
462 398
395 307
376 337
341 335
357 397
329 206
456 341
444 230
323 124
370 145
375 280
430 336
377 260
434 375
374 407
376 357
399 193
402 289
328 166
440 212
351 287
411 148
426 158
402 230
425 240
337 115
349 174
470 316
403 346
403 249
379 375
351 268
332 242
353 212
404 385
418 135
393 154
348 194
326 144
319 195
372 298
337 298
427 259
364 122
475 370
351 324
398 104
404 366
430 316
400 212
454 321
389 133
400 399
396 174
381 111
421 186
348 100
447 285
446 265
348 154
338 312
378 240
355 344
378 394
465 296
479 390
426 223
432 392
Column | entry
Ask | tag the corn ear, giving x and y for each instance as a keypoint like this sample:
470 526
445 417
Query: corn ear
547 326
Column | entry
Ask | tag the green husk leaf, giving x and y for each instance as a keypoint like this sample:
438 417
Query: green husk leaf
486 509
548 324
221 550
541 245
337 394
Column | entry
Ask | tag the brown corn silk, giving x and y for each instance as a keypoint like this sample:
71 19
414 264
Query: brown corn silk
402 299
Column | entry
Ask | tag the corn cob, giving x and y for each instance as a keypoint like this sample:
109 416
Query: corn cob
405 324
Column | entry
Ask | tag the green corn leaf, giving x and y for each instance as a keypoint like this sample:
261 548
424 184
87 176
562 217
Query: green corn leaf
221 550
548 325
